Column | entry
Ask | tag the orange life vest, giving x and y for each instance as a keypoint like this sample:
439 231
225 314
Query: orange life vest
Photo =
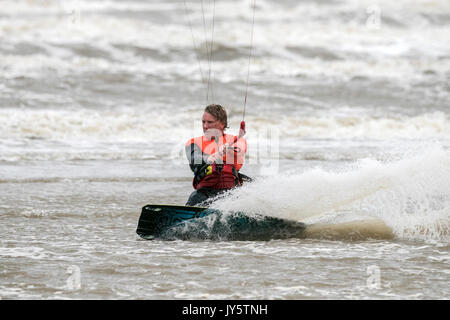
222 174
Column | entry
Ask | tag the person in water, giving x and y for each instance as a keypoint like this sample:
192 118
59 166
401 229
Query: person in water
215 158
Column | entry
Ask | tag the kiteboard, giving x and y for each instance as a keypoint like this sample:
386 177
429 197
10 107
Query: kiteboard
172 222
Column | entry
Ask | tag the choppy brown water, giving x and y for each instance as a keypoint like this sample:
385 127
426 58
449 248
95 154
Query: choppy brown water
348 131
75 239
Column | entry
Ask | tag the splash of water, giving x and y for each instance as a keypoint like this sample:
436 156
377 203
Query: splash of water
410 195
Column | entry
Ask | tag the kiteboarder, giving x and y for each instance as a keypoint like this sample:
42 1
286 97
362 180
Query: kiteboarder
215 158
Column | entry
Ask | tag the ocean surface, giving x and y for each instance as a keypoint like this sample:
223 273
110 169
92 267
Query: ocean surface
348 128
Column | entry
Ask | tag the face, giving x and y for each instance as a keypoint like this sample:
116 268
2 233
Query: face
211 125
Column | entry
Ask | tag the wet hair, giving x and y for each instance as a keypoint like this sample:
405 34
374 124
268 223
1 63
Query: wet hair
218 112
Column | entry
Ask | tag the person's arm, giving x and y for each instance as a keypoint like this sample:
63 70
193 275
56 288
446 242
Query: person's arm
234 153
195 157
